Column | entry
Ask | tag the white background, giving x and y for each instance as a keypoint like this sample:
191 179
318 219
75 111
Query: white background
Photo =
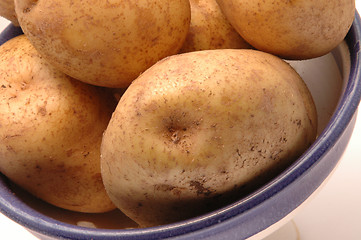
333 214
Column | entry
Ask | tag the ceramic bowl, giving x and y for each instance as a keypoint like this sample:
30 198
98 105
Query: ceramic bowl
335 83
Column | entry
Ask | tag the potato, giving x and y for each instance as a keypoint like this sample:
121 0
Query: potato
7 10
105 43
50 129
291 29
209 29
196 128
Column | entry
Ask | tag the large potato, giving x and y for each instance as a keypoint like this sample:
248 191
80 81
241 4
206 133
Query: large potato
7 10
106 43
50 130
291 29
209 29
198 126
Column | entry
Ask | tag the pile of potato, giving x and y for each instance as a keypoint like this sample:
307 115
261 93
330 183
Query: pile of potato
165 109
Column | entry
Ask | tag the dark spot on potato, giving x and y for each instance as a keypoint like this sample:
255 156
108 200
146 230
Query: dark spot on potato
176 192
238 152
29 4
175 137
69 152
9 148
125 177
12 136
201 190
42 111
85 154
163 187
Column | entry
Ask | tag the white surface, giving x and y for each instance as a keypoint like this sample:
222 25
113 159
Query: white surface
333 214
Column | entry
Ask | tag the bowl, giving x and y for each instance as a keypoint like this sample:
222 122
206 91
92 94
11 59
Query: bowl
335 83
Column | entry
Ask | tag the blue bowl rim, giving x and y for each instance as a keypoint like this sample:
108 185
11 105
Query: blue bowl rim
11 206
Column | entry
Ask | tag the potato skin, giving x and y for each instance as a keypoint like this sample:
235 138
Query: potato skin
198 126
209 29
105 43
7 10
50 130
294 29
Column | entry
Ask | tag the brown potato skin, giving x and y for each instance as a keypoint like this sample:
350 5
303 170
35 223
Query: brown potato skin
7 10
50 130
105 43
196 128
209 29
294 29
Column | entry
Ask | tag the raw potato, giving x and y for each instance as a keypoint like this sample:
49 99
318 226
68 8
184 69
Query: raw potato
7 10
50 130
105 43
198 126
209 29
291 29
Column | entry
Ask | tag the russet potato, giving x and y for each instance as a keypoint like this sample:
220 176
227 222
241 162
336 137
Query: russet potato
7 10
105 43
209 29
50 130
294 29
195 128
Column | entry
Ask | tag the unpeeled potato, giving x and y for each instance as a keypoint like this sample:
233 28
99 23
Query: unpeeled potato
7 10
209 29
197 129
104 43
50 130
293 29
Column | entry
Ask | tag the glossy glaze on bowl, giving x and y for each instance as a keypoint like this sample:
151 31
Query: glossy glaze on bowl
248 216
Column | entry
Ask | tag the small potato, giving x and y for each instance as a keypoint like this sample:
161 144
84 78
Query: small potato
104 43
50 130
197 128
293 29
7 10
209 29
